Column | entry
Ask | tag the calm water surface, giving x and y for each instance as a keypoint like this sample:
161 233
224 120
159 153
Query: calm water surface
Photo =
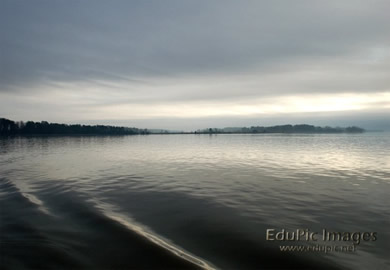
191 201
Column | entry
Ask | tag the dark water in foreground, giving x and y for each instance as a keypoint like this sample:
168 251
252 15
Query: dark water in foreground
191 201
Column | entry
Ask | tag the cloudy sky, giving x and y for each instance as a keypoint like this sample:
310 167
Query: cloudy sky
194 64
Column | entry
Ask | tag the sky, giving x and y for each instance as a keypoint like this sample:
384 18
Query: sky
184 65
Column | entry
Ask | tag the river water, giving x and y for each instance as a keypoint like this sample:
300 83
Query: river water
193 201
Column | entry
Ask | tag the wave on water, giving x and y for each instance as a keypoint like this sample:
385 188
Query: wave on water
77 236
69 230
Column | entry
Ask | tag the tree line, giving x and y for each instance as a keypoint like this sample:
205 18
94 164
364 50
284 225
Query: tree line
304 128
9 127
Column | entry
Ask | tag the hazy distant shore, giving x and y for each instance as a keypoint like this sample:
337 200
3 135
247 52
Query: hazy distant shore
12 128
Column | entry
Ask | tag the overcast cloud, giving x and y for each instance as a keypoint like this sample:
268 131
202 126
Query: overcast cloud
159 62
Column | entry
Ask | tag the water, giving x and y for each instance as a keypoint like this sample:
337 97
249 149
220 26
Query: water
191 201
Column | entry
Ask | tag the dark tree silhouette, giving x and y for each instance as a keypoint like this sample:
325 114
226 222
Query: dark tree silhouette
9 127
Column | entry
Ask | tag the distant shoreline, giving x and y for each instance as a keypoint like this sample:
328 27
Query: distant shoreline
43 128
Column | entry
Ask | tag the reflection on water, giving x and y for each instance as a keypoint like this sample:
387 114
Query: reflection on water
189 201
